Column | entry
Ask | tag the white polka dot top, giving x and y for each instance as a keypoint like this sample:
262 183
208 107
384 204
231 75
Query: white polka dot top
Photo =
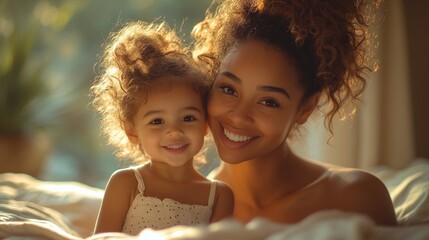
152 212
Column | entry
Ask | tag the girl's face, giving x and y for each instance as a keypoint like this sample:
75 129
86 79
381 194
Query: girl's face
254 102
171 125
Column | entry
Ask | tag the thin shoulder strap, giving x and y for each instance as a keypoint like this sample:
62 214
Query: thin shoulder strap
212 193
140 182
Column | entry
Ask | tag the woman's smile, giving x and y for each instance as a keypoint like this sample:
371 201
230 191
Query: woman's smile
234 139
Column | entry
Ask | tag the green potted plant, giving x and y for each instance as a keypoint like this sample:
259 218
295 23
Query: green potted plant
29 106
32 103
24 144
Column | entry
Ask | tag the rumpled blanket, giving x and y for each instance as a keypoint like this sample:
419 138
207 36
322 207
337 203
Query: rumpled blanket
26 218
327 225
33 209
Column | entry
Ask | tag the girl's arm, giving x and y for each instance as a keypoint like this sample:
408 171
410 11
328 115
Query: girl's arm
116 202
224 204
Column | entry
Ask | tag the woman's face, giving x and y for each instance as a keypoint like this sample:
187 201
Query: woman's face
254 102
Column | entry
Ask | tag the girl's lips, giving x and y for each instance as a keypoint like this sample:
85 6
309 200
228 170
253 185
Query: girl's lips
176 148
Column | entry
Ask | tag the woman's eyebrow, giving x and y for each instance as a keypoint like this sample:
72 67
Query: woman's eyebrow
275 89
231 76
263 88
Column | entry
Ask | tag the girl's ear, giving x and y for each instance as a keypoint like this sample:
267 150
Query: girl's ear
307 108
131 133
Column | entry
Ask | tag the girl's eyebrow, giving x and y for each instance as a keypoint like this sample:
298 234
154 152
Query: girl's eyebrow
193 109
151 113
231 76
263 88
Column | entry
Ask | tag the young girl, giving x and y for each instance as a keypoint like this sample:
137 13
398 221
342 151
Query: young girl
270 62
151 97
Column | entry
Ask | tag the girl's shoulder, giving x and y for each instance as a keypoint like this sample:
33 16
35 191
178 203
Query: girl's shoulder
122 180
124 174
224 189
224 204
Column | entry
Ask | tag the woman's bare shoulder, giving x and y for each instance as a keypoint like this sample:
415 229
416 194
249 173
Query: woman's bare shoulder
343 178
359 191
352 179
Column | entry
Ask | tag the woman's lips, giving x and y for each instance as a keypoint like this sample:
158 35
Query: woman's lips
234 140
235 137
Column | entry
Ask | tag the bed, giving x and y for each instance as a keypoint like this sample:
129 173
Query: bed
33 209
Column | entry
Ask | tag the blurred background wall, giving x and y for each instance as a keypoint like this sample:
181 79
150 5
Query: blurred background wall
48 51
416 15
390 127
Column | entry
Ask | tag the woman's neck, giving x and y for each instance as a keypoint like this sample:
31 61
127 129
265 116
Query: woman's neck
260 181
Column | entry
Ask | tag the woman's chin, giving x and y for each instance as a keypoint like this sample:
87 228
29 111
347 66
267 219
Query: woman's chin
230 159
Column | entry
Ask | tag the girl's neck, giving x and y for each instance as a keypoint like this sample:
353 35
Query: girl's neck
167 172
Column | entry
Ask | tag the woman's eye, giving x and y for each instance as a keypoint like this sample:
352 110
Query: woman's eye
270 103
157 121
189 118
228 90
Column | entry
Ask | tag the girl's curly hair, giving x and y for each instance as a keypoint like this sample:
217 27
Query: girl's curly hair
327 41
138 57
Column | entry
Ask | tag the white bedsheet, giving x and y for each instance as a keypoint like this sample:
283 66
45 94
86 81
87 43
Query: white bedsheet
74 204
409 189
67 211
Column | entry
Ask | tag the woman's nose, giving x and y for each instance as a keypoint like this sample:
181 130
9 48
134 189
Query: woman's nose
241 112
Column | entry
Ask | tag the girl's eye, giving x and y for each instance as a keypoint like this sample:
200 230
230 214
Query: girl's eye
189 118
228 90
157 121
270 103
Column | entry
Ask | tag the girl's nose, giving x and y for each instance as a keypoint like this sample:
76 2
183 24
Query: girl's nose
174 130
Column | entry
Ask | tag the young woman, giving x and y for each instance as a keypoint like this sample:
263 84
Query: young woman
272 64
151 97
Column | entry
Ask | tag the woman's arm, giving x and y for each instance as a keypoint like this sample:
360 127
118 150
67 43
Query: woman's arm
224 204
116 202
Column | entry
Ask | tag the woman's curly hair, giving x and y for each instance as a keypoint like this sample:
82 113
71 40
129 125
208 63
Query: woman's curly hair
135 59
327 41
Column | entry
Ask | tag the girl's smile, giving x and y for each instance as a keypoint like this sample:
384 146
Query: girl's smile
176 148
170 131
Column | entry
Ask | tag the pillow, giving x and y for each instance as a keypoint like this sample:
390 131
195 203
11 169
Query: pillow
77 202
409 189
29 219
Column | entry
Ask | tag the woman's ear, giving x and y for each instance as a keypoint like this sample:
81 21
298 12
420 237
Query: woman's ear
131 133
307 108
